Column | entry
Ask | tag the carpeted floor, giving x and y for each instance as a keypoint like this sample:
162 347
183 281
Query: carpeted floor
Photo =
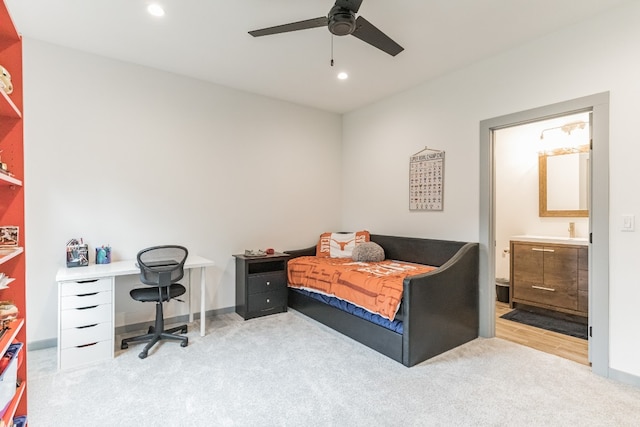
288 370
541 321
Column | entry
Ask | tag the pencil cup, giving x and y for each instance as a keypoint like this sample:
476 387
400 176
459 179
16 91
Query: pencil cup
103 255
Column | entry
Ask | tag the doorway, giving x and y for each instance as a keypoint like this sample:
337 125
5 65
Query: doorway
542 204
598 228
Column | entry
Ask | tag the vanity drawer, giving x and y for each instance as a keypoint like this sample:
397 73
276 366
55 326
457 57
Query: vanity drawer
75 337
85 300
267 301
85 286
73 357
556 295
76 317
267 282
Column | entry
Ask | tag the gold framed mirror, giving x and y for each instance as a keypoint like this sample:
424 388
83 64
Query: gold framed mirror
564 182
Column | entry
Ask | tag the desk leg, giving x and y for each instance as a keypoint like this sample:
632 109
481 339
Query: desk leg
190 298
202 301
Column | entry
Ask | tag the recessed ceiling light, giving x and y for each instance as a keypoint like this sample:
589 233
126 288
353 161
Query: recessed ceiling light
155 9
343 76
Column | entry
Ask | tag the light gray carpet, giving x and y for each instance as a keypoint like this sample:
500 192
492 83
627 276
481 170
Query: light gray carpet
288 370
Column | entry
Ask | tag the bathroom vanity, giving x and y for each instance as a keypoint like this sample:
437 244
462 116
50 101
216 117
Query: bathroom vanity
550 273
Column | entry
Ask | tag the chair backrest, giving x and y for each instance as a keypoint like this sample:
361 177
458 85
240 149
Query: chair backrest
162 265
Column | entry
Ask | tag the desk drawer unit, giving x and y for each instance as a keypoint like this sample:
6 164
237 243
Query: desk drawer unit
74 357
261 285
85 322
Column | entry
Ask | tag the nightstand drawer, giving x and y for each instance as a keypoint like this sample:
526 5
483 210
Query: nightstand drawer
74 337
74 357
85 300
85 316
85 286
267 301
267 282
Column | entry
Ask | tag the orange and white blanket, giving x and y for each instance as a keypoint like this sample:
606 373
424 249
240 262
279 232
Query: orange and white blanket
374 286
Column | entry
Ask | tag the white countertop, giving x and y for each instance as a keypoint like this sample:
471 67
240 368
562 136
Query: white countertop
553 239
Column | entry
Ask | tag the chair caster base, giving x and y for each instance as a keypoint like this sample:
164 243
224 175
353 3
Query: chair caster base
184 343
124 346
143 355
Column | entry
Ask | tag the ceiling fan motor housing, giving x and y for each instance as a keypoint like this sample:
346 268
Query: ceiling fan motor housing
342 22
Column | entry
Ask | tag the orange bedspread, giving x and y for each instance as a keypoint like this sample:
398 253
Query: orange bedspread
374 286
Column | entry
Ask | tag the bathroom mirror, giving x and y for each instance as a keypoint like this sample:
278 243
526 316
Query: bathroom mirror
564 182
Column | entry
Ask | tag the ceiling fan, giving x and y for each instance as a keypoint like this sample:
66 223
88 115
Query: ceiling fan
341 21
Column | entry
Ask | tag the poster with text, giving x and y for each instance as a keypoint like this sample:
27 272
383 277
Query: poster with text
426 181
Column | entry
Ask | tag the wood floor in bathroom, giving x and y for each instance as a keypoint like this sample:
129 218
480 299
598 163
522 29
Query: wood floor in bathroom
572 348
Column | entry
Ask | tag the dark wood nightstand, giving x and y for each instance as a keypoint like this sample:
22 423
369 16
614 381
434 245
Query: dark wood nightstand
261 285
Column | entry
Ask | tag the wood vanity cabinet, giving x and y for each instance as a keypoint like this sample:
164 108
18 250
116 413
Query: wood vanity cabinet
553 276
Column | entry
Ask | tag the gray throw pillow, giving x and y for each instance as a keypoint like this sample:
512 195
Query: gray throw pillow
368 252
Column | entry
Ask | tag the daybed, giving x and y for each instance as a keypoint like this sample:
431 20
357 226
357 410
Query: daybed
439 309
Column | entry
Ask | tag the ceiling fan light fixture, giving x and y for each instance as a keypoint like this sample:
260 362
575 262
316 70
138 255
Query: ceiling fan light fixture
342 22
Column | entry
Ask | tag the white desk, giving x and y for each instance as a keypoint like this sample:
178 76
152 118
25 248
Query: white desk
84 295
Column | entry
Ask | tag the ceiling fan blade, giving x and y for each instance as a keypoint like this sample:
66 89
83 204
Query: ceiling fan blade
352 5
294 26
368 33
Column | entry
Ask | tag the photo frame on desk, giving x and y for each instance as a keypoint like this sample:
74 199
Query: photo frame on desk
77 253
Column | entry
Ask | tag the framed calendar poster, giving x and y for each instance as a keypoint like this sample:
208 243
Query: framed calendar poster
426 180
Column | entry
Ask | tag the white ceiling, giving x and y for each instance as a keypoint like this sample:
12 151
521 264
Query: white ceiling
208 40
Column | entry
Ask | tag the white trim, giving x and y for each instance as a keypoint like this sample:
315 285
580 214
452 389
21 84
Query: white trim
599 218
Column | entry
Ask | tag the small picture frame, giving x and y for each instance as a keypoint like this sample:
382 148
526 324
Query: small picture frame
9 235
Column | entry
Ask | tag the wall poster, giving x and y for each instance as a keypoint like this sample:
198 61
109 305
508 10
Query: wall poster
426 180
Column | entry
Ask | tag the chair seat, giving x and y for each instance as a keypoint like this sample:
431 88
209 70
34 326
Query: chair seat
151 294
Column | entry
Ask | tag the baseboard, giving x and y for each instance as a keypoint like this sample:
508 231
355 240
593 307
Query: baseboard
53 342
624 377
42 344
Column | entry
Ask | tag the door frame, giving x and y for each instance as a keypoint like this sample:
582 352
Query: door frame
598 104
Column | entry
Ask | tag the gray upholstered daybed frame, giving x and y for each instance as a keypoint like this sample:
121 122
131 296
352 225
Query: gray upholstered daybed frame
440 308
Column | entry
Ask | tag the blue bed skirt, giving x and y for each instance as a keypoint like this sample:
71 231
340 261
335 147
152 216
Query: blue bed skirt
393 325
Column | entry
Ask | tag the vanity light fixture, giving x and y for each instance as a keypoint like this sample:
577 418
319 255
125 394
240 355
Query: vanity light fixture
568 128
155 9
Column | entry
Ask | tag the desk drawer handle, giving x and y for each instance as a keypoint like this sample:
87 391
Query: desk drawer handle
87 295
86 308
87 326
87 345
542 250
542 288
87 281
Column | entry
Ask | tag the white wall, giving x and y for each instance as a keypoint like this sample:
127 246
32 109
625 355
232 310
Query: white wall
596 56
130 156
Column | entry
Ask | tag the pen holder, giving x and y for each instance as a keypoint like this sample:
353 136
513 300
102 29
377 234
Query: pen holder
103 255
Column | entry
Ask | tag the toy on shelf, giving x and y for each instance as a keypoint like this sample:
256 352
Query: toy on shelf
5 80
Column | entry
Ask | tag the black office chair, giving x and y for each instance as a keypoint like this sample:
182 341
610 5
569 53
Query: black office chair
160 267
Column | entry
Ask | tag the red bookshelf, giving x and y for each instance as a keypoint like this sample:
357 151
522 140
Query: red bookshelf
12 259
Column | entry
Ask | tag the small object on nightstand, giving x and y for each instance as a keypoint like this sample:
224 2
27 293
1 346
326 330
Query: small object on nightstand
254 252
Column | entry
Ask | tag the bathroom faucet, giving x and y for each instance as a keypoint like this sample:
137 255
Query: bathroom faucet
572 230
